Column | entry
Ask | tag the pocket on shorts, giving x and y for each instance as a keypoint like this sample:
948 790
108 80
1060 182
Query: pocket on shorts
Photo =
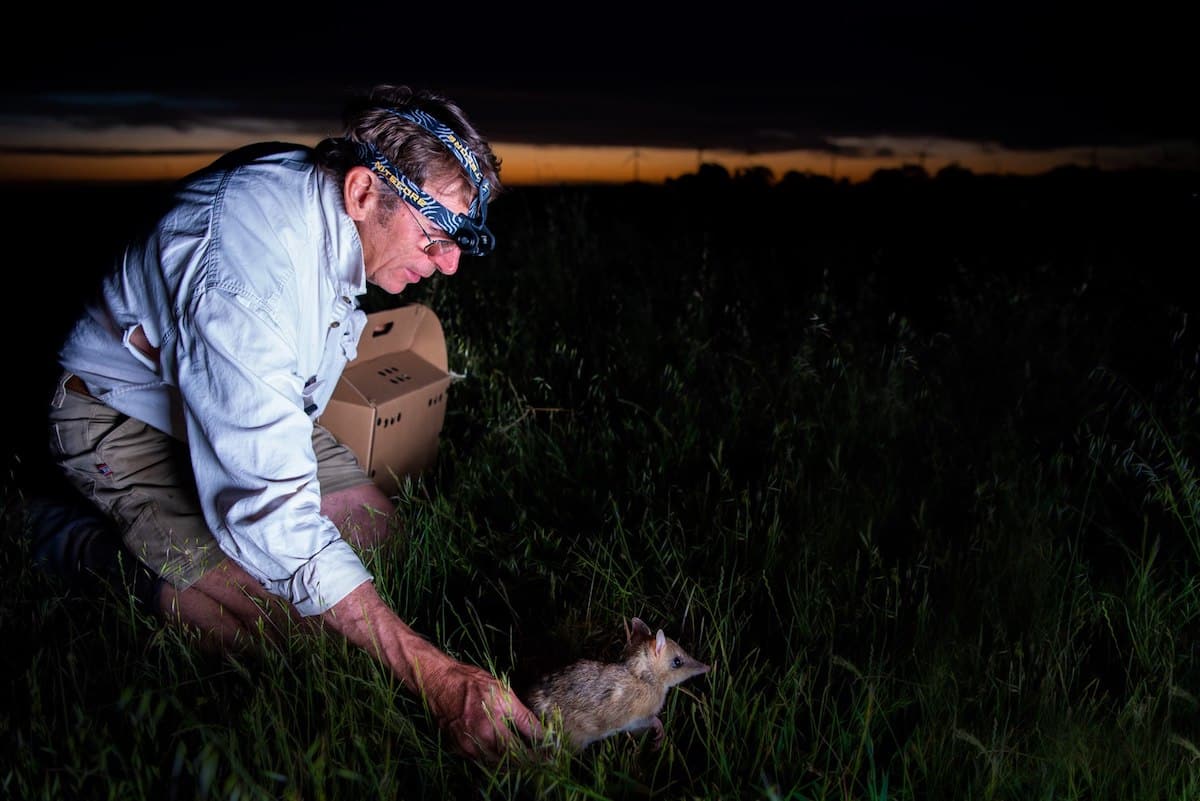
74 438
79 426
133 449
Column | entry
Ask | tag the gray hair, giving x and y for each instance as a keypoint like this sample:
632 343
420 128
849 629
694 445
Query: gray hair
413 150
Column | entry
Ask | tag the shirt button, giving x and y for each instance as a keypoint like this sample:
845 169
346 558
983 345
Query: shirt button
334 324
345 299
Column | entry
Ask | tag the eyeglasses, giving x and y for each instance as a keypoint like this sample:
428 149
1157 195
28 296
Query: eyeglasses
435 247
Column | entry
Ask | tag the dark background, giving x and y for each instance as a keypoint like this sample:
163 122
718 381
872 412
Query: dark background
1022 76
1118 251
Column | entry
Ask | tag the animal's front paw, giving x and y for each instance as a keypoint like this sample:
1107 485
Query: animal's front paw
659 735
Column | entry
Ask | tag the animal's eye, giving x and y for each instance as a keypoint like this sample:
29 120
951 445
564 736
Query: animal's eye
676 662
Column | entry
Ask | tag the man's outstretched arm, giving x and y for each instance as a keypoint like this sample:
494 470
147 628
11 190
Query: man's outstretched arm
468 702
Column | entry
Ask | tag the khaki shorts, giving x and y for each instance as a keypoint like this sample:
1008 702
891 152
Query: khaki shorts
142 478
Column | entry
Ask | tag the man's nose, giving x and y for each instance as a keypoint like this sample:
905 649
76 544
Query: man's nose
448 264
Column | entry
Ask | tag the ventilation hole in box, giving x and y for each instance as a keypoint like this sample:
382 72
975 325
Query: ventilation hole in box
393 374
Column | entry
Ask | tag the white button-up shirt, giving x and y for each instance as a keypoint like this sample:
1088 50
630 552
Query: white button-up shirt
247 287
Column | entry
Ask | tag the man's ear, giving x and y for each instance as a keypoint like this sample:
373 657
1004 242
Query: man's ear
357 192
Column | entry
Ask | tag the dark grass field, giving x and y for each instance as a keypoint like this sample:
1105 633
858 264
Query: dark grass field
1117 249
909 462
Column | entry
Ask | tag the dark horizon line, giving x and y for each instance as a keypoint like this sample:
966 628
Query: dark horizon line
908 170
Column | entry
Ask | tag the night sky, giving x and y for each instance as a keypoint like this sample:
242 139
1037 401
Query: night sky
847 84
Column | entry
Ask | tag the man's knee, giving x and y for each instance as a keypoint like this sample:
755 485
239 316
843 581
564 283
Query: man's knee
362 513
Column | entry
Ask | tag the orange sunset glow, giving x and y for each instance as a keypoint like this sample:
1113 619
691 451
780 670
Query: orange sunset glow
843 94
525 164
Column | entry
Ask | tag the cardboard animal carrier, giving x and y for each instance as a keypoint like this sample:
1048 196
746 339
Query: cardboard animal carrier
390 402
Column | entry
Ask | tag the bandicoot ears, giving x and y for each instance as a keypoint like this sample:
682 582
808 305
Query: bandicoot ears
638 632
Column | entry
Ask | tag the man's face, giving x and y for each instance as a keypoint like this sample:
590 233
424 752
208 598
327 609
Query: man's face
394 245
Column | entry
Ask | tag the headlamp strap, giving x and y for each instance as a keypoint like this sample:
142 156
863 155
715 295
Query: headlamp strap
370 156
461 152
471 235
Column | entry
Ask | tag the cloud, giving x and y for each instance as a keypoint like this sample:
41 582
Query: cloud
1041 78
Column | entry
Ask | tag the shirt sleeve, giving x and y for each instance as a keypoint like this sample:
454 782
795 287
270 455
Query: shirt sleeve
251 450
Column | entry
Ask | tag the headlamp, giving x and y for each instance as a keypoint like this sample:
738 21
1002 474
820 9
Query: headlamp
468 230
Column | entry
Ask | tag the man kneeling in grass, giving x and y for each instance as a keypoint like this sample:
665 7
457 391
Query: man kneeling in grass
187 406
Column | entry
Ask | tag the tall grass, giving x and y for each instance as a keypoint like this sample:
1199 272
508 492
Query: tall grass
909 465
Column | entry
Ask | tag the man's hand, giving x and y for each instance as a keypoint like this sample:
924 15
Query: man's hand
477 710
468 703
